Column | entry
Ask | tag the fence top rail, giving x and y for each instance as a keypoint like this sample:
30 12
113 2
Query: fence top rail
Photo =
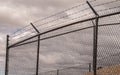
54 29
57 35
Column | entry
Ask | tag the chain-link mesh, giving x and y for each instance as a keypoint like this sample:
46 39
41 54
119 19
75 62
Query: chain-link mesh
74 70
108 46
67 50
70 42
22 60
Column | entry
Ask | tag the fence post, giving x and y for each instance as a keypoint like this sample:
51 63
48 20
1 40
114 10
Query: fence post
57 72
89 67
95 39
95 47
7 56
38 49
95 33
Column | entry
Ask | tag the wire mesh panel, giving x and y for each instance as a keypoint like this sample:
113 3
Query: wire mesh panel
66 50
108 47
22 60
68 39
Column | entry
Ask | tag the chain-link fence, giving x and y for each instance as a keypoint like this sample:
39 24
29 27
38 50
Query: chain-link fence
82 40
74 70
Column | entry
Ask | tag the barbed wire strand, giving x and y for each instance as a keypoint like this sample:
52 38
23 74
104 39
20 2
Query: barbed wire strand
62 12
97 11
60 23
77 12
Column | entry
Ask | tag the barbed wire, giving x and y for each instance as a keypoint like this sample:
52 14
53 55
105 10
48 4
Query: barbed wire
87 14
61 17
88 8
63 22
52 16
77 17
56 20
76 7
69 20
108 9
66 15
106 3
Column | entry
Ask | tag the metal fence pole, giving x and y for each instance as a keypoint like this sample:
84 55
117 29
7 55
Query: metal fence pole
89 67
95 39
95 47
57 72
7 56
38 49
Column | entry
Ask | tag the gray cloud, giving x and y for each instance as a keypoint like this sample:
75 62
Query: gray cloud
21 12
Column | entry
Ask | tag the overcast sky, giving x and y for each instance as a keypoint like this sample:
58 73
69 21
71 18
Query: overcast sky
15 14
55 53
